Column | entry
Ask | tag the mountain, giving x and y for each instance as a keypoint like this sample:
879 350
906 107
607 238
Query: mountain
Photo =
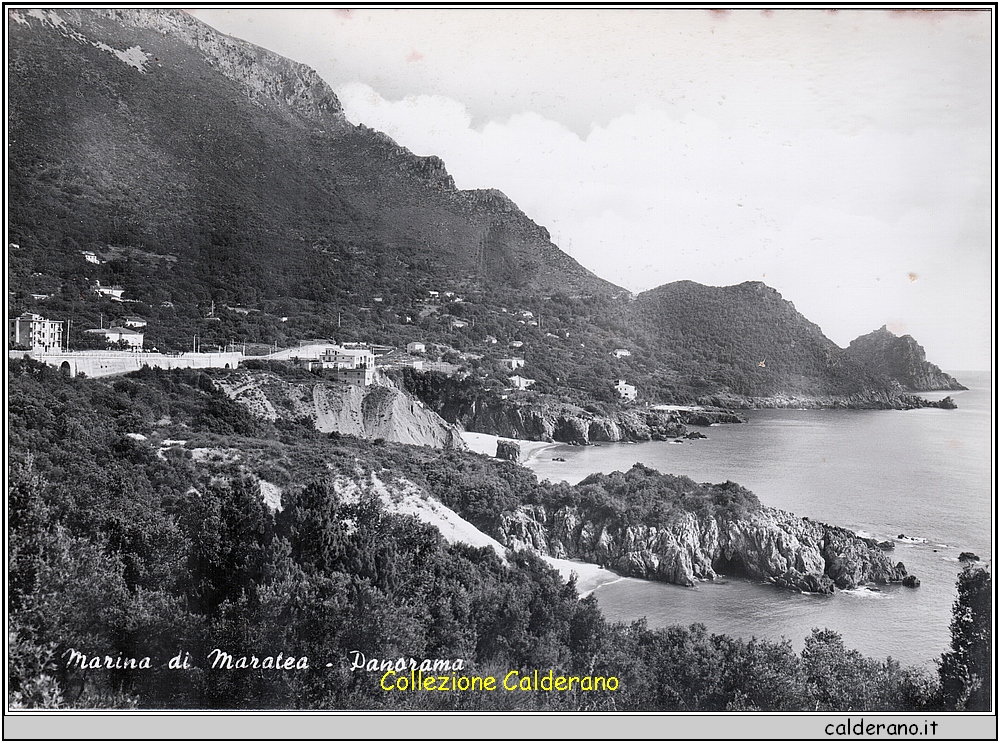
901 359
222 188
203 168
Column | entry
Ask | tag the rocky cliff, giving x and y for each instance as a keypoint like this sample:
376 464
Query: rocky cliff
263 76
901 359
548 421
691 533
379 411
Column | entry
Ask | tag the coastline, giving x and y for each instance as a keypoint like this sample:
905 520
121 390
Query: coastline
589 576
486 443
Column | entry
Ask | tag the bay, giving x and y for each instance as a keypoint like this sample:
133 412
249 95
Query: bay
926 474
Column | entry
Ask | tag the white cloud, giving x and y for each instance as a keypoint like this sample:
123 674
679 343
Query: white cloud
835 220
829 154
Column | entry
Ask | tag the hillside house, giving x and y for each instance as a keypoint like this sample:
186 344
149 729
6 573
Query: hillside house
91 257
118 334
37 333
627 391
361 376
416 347
458 323
351 356
513 363
620 353
520 383
132 321
516 344
115 292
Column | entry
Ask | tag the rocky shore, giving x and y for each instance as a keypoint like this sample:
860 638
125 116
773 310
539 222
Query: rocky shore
546 421
871 400
694 537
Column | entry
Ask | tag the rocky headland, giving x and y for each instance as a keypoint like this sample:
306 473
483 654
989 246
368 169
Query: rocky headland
868 400
660 527
543 420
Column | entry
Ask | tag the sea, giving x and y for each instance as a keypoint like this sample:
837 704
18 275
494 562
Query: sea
923 478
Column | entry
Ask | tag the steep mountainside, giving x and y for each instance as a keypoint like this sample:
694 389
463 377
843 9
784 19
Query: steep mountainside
901 359
221 187
235 169
747 341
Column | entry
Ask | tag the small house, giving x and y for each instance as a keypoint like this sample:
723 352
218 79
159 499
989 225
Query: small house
115 292
520 383
118 334
627 391
619 353
513 363
416 347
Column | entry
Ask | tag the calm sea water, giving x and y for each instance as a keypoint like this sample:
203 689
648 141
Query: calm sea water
923 473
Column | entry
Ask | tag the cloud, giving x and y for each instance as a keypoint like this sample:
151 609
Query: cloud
832 218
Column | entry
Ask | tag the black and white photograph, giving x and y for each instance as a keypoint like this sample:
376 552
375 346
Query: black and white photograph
503 360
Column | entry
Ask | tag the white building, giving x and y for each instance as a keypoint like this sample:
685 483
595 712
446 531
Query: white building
627 391
513 364
416 347
348 357
132 321
115 292
621 352
116 334
38 333
519 382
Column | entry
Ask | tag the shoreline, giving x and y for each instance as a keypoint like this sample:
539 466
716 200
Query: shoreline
589 576
486 443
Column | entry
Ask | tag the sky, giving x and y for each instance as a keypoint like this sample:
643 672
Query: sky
843 158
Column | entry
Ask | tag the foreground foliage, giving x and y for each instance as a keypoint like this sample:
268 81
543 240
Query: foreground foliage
124 543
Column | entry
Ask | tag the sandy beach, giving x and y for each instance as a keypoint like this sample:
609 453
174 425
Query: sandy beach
486 443
588 575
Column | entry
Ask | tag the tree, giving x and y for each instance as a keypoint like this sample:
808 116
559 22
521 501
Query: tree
966 678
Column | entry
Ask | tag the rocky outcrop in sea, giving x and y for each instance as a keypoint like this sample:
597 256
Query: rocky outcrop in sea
694 538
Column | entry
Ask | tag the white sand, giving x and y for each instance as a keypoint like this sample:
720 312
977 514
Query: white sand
588 575
407 498
486 443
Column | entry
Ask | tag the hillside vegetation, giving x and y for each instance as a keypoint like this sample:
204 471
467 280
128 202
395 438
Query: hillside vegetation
138 528
220 186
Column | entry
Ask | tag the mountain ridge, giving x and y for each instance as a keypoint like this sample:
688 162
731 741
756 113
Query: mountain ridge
205 172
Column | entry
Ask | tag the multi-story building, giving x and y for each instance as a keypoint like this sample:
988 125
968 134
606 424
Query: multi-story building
38 333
